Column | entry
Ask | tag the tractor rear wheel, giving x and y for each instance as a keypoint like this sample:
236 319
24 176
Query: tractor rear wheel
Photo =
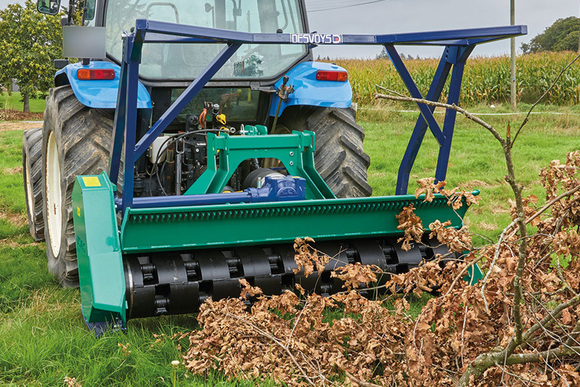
75 141
32 174
339 156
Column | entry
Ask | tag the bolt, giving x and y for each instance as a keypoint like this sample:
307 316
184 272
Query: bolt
291 153
291 162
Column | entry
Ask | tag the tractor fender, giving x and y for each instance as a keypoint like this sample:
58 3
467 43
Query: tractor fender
98 94
310 91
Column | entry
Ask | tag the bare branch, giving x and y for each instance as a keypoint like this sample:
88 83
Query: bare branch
467 114
360 382
275 340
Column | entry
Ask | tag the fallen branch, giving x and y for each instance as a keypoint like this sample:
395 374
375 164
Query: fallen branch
360 382
276 341
506 356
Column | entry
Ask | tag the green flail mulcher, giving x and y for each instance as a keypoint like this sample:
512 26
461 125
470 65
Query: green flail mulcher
155 192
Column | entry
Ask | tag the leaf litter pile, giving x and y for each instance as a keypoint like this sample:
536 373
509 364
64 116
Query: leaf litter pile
464 335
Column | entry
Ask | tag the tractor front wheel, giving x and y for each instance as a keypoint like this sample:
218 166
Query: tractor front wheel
339 156
75 141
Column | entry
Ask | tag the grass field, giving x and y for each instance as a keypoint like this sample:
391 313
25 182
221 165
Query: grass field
43 338
12 101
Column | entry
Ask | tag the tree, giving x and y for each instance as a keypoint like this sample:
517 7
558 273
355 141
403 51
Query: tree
30 42
383 54
561 36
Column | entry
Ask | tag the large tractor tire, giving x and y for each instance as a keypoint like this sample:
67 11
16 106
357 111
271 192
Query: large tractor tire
32 174
75 141
339 156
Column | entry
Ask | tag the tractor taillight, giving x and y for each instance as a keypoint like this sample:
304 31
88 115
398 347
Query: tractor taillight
95 74
338 76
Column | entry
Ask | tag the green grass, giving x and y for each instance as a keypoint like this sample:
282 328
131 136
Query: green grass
13 101
43 338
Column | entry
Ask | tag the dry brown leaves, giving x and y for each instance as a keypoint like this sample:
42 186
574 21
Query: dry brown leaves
412 226
530 207
456 198
457 240
308 258
356 275
314 340
286 339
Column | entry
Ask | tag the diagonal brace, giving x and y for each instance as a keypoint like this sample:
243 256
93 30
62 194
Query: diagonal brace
415 93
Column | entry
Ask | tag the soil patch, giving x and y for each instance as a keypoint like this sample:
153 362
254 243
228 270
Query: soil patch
15 115
12 171
15 218
7 126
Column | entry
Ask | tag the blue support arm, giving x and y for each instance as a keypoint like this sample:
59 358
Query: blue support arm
458 45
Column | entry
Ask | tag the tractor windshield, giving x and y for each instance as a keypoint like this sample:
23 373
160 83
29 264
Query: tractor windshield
162 61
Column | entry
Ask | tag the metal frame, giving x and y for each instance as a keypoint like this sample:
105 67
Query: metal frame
458 45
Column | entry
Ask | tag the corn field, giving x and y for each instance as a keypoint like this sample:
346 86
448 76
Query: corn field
486 80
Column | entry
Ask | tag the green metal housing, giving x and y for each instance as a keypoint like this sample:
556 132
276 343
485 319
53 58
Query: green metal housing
177 228
101 244
99 255
295 151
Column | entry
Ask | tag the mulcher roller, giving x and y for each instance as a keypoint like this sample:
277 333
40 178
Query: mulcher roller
179 282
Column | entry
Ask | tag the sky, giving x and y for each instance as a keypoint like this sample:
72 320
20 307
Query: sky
393 16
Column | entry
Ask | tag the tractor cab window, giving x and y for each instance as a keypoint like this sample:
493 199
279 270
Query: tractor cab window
90 6
163 61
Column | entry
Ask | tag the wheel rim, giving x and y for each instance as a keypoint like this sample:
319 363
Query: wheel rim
53 195
29 192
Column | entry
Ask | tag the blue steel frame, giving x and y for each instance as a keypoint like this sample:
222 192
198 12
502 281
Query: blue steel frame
458 45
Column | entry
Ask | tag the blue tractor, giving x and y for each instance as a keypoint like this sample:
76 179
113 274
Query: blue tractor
279 87
193 142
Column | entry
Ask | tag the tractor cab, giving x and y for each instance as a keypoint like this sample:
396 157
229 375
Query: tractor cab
242 88
164 62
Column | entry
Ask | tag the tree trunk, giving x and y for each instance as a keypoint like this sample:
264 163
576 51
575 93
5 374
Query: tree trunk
26 99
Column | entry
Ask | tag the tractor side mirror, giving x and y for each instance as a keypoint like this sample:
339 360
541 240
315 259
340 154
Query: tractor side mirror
49 7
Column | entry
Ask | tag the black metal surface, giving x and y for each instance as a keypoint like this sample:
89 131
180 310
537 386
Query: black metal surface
179 282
